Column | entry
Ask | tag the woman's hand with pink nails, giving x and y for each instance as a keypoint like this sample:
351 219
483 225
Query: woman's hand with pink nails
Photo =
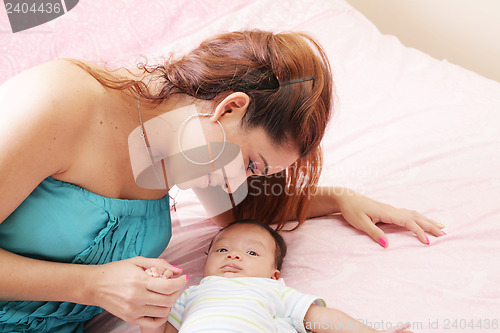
123 289
364 213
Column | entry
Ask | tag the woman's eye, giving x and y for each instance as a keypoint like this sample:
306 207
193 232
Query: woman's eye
252 253
251 166
221 250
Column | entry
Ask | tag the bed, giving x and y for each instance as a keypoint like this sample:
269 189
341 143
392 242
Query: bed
407 130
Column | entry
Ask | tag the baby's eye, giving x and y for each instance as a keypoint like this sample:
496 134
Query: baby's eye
221 250
252 253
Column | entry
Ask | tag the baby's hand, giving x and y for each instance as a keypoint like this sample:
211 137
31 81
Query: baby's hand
161 272
398 329
165 273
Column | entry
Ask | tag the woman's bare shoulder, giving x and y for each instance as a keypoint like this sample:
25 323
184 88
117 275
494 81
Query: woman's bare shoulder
44 116
49 79
53 90
49 70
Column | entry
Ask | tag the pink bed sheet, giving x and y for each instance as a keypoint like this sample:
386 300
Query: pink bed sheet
408 130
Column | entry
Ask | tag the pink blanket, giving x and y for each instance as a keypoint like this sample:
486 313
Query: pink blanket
408 130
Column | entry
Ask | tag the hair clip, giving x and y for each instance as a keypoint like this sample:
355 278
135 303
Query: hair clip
311 78
271 83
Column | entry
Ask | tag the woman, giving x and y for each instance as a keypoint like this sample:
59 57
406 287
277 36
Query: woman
68 237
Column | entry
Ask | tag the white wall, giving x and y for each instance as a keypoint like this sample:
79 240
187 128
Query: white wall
465 32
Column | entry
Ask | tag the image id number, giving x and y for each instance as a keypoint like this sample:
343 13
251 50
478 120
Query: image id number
40 7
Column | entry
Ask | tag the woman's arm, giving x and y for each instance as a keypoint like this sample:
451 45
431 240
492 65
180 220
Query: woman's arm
320 319
364 213
23 278
120 287
40 126
325 201
43 118
36 140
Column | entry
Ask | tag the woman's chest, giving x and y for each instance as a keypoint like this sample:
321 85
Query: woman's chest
63 222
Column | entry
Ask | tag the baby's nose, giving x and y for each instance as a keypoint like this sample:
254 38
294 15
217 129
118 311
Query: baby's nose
233 255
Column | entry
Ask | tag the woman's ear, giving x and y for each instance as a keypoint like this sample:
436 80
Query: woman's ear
235 104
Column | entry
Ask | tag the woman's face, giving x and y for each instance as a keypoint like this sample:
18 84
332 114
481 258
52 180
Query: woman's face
259 155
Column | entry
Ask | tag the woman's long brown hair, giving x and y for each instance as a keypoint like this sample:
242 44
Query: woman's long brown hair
256 63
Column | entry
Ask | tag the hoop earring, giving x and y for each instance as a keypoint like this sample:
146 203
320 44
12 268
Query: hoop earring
179 136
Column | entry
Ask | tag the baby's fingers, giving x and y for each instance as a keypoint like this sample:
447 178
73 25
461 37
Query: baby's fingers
167 274
153 271
167 286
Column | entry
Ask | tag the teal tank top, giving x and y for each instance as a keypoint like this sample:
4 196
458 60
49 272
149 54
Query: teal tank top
63 222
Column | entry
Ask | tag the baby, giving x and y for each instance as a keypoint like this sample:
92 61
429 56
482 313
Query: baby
242 291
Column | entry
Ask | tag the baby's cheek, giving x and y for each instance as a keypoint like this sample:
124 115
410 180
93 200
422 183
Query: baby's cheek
208 268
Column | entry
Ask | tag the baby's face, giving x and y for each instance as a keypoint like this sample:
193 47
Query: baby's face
243 250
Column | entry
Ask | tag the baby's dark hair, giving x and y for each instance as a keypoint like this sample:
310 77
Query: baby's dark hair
278 240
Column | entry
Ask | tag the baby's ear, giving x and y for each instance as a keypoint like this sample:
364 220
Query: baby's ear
276 275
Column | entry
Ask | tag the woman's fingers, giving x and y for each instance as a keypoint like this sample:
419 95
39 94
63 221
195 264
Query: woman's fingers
412 221
156 299
418 231
129 290
420 225
415 222
163 288
427 224
373 231
364 213
155 311
430 227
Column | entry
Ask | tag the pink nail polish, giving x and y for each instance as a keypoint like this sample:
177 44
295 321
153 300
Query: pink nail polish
444 233
176 267
187 278
428 242
382 242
